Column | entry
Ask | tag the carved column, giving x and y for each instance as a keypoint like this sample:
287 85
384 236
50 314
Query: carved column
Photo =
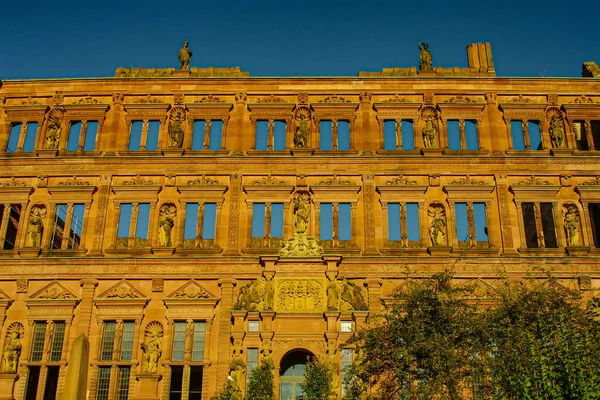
207 126
505 221
451 224
471 223
545 136
423 224
180 231
586 225
4 226
271 135
21 230
67 228
561 240
398 134
462 134
235 186
538 225
82 136
384 219
335 225
152 232
189 135
380 126
49 228
369 206
223 353
589 136
403 227
374 300
334 134
509 138
200 224
316 135
144 136
22 135
133 225
267 225
526 138
64 137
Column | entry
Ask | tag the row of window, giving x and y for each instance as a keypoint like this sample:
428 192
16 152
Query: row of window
208 135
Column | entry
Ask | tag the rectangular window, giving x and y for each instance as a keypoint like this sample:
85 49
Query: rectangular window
216 135
123 383
29 144
581 135
346 326
195 389
345 221
135 135
518 139
251 362
76 226
209 221
453 135
103 383
51 383
13 138
141 230
462 224
33 380
471 135
152 138
326 221
325 135
176 382
90 136
394 229
39 334
412 222
198 135
10 238
258 220
136 141
262 135
535 137
479 219
108 341
343 132
253 326
531 237
57 341
408 136
127 341
548 225
279 129
596 134
191 221
74 134
346 356
124 220
594 209
75 229
198 340
276 220
389 135
179 340
59 226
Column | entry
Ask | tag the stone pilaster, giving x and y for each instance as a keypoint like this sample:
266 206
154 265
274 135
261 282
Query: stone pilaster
369 202
223 343
235 186
101 212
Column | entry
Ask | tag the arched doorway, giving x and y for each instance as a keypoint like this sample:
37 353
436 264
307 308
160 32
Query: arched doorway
291 374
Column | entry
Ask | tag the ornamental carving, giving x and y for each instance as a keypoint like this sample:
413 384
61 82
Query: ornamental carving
192 292
334 99
593 182
203 180
178 98
467 181
460 99
269 180
365 97
175 127
437 225
210 99
87 100
345 296
400 180
148 99
166 222
583 99
138 181
303 98
53 291
250 297
301 244
117 98
302 134
12 348
241 98
521 99
396 99
29 101
553 99
74 182
335 181
54 128
271 99
295 295
123 290
12 182
572 225
533 180
58 98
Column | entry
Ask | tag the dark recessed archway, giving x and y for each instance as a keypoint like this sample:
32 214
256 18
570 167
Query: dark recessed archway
291 374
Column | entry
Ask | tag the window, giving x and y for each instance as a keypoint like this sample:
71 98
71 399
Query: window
536 215
187 335
334 135
594 209
68 226
462 135
403 225
271 135
398 135
471 224
346 326
82 136
46 347
207 135
346 364
267 224
144 135
114 349
526 135
253 326
22 137
251 362
11 213
336 223
133 225
200 225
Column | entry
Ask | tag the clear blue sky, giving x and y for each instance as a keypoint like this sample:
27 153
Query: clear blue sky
269 38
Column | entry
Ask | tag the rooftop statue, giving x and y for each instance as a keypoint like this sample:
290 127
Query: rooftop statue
185 56
425 60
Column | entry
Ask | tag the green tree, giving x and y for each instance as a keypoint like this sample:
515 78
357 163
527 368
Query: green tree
317 380
229 392
260 384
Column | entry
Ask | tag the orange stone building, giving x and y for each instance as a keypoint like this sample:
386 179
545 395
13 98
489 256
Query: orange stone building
190 223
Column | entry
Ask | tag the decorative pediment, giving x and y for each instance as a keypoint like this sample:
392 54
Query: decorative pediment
534 189
202 189
469 189
340 109
397 109
270 110
25 112
584 108
191 300
589 190
136 189
268 190
89 109
123 290
523 110
335 189
52 291
53 301
461 107
192 290
400 189
148 109
209 107
69 189
14 192
483 290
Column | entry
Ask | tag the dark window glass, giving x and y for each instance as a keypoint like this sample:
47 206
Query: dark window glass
596 134
33 380
595 219
531 238
548 225
176 381
51 383
13 223
195 383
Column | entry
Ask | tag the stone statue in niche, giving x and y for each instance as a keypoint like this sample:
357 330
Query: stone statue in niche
152 348
268 293
53 134
572 228
12 349
300 244
332 294
557 134
176 132
301 212
185 57
425 59
34 229
437 228
429 133
302 132
166 222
